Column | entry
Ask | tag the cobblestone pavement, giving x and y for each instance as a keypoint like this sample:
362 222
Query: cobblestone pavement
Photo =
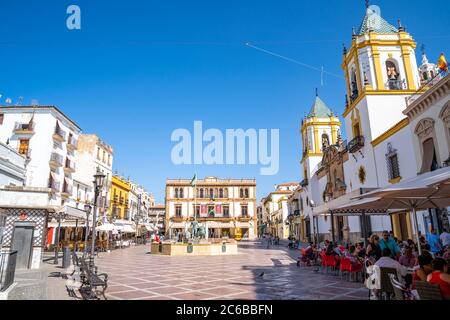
39 284
134 273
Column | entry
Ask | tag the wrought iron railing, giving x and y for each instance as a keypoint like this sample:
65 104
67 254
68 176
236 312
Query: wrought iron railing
70 164
71 141
56 158
54 185
395 84
356 144
24 126
427 85
59 132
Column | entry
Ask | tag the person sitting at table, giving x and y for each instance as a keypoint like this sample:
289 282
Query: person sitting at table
387 242
362 251
386 261
440 276
425 268
446 255
352 256
373 248
408 259
330 250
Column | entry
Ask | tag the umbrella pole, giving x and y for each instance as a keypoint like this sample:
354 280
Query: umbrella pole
364 227
416 226
332 227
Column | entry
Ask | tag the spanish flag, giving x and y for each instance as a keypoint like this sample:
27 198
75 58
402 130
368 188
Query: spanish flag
442 63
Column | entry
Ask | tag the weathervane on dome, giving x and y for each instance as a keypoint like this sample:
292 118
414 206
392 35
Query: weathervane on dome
367 4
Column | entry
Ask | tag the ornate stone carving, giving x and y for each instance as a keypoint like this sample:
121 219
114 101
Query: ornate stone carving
424 128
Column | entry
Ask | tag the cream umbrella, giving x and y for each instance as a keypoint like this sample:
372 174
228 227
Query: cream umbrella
427 191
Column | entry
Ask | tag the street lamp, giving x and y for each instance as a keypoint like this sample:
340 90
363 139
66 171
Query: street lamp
87 209
99 179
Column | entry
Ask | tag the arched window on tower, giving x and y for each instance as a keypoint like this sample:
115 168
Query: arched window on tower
181 193
393 75
202 193
221 193
176 193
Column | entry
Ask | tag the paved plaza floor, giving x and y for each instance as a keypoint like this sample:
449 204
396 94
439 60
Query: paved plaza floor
255 273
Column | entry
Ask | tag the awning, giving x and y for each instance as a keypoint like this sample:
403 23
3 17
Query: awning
242 224
219 225
75 212
128 229
106 227
176 225
66 224
324 209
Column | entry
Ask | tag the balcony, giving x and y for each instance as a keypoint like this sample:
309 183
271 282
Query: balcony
54 186
72 143
69 166
244 218
66 191
395 84
356 144
56 161
59 135
177 219
24 128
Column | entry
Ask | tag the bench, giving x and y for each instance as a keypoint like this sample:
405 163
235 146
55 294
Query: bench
91 281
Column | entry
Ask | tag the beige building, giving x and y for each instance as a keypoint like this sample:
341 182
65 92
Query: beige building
92 153
275 210
226 207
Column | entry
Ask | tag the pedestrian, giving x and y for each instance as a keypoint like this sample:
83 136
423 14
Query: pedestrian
433 241
445 238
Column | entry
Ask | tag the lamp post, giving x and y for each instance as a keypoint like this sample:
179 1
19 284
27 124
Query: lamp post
87 209
99 179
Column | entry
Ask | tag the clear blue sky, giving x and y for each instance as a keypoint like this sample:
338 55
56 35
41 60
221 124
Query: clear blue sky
140 69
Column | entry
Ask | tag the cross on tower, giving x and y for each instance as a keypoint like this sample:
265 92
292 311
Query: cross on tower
367 4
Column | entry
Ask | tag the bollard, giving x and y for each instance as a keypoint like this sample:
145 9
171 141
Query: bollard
66 257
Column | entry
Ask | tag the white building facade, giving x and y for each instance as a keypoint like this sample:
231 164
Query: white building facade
48 139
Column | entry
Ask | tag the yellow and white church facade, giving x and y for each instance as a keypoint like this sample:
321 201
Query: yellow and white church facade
396 118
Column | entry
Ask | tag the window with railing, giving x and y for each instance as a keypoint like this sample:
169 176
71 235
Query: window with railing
392 162
56 158
59 131
226 211
244 211
53 184
178 212
29 126
67 188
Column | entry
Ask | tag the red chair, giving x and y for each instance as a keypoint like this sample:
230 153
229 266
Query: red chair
345 267
330 262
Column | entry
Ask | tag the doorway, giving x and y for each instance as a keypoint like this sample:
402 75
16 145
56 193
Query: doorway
22 242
